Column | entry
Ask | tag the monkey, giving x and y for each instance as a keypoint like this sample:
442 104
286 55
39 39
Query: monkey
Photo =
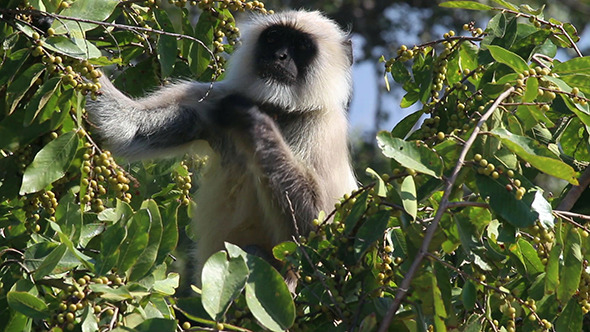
276 127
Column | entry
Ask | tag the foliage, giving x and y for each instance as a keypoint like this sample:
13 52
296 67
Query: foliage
459 235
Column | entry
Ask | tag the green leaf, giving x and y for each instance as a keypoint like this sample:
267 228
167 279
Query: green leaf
283 249
503 203
111 294
465 5
581 81
497 25
536 154
369 232
167 45
50 163
508 58
109 248
408 196
358 208
41 97
532 89
531 115
404 127
578 65
84 9
414 154
571 318
50 262
400 73
147 258
68 216
156 324
409 99
577 109
136 240
468 56
469 295
506 4
11 65
223 280
27 304
170 231
17 89
199 56
543 209
571 30
78 48
423 72
268 297
528 9
380 187
569 276
89 322
439 307
369 323
552 269
17 322
167 286
528 256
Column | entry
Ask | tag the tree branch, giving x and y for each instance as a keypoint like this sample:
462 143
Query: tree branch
575 192
444 205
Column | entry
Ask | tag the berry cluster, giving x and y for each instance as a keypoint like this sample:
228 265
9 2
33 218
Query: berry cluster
78 296
100 168
79 74
485 167
183 181
43 202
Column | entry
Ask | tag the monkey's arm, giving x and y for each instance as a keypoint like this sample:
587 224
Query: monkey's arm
160 124
293 185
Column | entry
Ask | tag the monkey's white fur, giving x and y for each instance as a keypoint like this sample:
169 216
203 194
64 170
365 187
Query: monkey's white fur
234 201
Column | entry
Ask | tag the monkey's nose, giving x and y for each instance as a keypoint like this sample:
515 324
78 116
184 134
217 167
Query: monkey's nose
282 54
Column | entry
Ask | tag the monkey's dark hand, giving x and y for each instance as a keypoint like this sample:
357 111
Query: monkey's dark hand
238 112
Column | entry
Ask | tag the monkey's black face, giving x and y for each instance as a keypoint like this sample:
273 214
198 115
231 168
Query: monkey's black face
284 54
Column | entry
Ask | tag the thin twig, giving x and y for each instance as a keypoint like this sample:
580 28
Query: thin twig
444 204
571 214
453 205
569 219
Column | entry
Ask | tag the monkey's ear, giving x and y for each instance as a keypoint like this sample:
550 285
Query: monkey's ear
347 44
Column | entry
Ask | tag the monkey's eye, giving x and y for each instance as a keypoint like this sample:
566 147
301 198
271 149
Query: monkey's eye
303 45
271 37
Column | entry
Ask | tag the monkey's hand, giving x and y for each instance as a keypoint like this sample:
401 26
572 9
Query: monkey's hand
238 112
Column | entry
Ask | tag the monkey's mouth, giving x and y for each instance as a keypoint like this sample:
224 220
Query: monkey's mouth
278 72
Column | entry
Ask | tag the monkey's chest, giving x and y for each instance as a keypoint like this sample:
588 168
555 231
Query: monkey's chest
235 205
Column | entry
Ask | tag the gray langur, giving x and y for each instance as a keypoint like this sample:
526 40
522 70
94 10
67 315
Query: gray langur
277 126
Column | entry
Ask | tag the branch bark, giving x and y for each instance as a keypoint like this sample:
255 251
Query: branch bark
575 192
